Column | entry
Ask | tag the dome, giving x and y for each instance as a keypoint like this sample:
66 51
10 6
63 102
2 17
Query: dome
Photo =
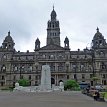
98 35
8 38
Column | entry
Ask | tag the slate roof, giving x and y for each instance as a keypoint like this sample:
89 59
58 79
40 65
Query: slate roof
52 47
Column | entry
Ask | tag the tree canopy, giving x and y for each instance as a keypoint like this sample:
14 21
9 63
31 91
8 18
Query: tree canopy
23 82
71 85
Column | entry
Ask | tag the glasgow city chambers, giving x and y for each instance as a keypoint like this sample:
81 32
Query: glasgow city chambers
64 63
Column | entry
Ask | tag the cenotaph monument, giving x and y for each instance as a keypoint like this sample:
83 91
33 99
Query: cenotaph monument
45 78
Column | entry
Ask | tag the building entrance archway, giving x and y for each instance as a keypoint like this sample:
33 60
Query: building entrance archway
52 81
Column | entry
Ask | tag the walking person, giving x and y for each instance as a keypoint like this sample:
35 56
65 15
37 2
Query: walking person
95 96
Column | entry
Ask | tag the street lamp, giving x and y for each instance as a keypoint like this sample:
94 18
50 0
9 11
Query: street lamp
4 71
67 69
75 75
74 70
20 72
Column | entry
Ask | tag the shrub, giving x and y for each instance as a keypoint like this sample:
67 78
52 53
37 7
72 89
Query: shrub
102 94
95 78
105 96
71 85
7 89
23 82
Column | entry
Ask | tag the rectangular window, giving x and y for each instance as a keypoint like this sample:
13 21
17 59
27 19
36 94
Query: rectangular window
30 83
14 77
104 75
67 76
91 75
21 76
2 78
29 77
105 83
60 68
52 68
82 67
83 76
2 83
74 67
75 76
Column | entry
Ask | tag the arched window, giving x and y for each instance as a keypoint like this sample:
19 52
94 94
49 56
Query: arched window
103 66
30 68
60 67
44 56
49 24
52 56
3 69
15 68
102 54
100 41
82 67
4 56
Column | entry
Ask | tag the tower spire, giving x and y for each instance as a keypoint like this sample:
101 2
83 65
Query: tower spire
9 33
53 14
97 29
53 6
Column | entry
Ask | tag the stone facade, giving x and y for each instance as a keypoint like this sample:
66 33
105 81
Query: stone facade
64 63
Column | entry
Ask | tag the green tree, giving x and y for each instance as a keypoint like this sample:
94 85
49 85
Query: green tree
71 85
23 82
105 96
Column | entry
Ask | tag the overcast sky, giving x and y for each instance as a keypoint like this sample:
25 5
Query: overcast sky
27 20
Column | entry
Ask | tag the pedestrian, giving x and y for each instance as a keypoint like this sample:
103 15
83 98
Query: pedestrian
87 89
95 96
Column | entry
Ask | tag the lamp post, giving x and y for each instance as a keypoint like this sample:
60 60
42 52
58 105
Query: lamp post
75 75
67 69
20 72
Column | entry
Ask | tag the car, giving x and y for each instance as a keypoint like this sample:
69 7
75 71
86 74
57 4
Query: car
99 87
84 85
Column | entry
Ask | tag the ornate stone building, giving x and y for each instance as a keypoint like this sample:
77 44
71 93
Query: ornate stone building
64 63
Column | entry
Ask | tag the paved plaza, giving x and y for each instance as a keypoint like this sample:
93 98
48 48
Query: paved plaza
43 99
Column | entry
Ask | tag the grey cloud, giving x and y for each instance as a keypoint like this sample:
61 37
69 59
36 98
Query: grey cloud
27 20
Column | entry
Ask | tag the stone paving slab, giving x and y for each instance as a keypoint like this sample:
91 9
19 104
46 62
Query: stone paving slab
49 99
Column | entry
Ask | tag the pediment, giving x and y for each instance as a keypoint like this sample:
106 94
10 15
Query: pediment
52 47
